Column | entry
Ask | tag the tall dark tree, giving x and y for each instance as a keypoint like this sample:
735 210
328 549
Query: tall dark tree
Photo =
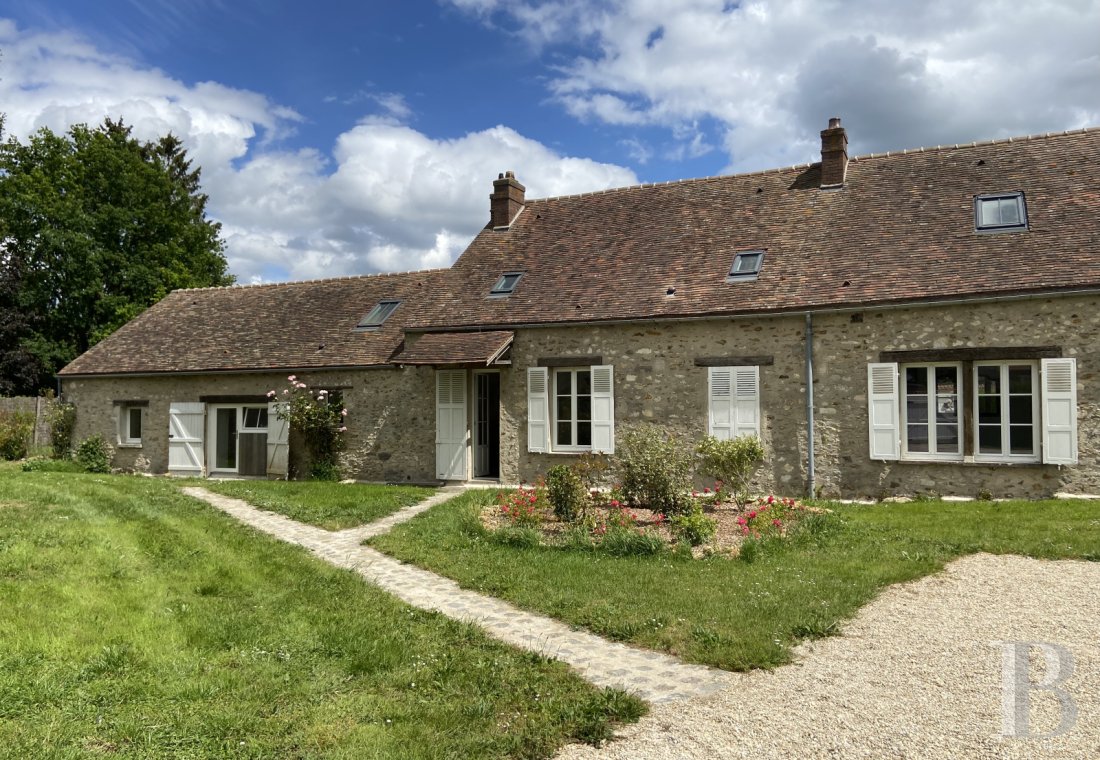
95 226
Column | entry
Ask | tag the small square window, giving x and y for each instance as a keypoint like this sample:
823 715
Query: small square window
746 265
1005 211
506 284
130 419
379 314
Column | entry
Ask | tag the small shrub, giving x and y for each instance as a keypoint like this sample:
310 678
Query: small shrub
693 526
62 419
985 495
16 429
732 462
627 542
656 469
94 454
594 470
566 492
522 507
324 469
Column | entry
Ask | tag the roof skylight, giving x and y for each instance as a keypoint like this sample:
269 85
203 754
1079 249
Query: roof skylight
376 316
506 284
746 265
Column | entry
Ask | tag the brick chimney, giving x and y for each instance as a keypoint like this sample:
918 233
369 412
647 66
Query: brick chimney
834 154
506 200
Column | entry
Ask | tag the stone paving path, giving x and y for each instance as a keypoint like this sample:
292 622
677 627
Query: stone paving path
652 676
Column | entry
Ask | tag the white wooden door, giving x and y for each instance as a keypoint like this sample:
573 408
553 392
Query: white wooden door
185 424
450 424
278 439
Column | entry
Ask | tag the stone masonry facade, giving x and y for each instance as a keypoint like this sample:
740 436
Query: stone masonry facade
656 380
391 421
392 411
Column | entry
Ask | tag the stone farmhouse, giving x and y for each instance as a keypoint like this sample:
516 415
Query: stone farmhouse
917 321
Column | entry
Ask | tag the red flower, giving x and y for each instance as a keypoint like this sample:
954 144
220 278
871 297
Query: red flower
771 499
752 515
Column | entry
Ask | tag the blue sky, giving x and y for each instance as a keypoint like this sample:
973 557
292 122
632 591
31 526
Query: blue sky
342 138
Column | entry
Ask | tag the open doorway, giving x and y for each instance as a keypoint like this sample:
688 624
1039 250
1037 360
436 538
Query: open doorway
486 424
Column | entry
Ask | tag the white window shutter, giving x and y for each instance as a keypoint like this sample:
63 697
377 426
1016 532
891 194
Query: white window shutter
538 410
1059 407
883 405
450 424
720 417
746 401
603 409
186 421
278 439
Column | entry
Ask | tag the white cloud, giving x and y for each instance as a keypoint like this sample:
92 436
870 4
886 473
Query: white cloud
388 198
771 73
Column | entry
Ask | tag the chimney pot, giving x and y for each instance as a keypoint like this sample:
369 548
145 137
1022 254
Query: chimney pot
506 201
834 154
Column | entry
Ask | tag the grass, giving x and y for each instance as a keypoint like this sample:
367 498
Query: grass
328 505
138 623
736 614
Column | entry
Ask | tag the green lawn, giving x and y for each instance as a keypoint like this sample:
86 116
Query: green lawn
731 613
136 622
333 506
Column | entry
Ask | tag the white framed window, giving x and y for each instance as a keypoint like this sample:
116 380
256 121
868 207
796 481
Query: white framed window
1023 411
1006 411
571 409
931 409
1000 212
131 419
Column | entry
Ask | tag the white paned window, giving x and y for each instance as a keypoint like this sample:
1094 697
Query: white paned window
1006 411
1021 411
572 409
130 420
931 411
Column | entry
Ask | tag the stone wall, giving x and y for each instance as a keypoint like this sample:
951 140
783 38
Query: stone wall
656 381
391 421
844 347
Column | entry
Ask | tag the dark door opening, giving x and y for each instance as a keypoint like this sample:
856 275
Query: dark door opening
487 425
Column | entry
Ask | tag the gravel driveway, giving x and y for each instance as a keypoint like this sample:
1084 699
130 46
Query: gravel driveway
918 674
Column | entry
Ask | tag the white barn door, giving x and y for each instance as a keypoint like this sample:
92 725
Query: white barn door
185 425
450 424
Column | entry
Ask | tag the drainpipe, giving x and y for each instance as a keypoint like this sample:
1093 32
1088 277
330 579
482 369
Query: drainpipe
810 480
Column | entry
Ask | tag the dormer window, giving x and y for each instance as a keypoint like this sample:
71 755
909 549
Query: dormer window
746 266
376 316
1000 212
506 284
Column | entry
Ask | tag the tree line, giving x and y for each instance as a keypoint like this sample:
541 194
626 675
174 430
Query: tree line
95 227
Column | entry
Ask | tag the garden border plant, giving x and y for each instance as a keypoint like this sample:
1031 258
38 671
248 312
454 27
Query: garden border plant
318 417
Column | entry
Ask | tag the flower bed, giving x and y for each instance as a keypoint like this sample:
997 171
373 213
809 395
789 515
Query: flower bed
528 508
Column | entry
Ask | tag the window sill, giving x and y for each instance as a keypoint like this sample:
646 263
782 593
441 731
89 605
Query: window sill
128 445
973 462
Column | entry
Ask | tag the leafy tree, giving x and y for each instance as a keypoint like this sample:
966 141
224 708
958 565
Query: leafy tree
95 226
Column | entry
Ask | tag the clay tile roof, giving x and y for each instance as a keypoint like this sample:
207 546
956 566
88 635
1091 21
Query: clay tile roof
456 348
297 325
900 230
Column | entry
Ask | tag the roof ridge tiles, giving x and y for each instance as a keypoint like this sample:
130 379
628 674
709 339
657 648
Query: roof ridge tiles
292 283
793 167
